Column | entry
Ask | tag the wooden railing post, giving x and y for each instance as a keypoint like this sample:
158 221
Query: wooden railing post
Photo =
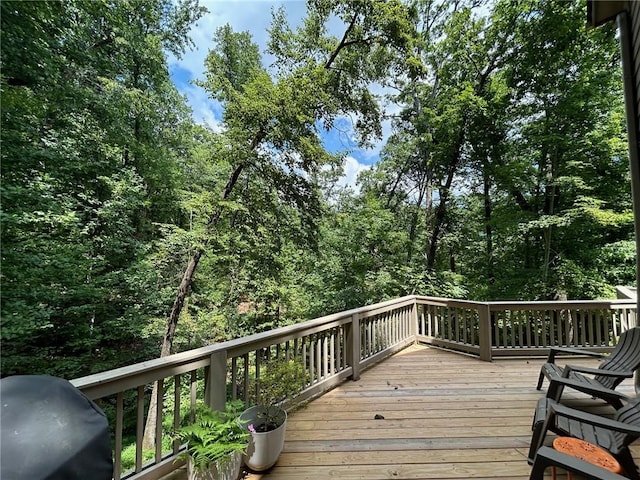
484 320
353 346
414 321
215 395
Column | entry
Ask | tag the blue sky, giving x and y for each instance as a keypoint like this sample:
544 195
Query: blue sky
255 16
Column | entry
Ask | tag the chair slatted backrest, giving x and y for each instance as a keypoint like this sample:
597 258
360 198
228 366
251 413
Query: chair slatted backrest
630 415
625 357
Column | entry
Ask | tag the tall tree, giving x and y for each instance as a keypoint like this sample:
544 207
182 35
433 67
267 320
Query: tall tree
89 121
272 123
565 114
458 54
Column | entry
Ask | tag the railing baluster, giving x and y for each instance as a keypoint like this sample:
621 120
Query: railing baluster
319 357
193 395
332 353
176 410
520 340
387 322
159 410
376 330
312 359
428 328
257 375
611 322
505 327
340 341
234 378
139 427
305 360
246 379
325 355
117 466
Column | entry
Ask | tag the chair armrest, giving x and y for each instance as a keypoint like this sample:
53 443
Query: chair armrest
560 410
556 351
591 389
596 371
548 457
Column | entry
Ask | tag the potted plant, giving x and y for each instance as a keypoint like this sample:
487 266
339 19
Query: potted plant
267 420
215 442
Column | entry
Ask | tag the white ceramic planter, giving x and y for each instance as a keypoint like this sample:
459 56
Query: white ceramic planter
227 470
264 447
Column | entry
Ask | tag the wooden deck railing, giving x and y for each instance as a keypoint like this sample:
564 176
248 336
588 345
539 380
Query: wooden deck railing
491 329
331 349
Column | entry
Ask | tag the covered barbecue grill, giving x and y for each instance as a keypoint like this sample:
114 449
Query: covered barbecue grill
50 430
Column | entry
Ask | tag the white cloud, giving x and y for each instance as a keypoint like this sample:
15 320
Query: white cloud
243 15
352 168
205 110
253 16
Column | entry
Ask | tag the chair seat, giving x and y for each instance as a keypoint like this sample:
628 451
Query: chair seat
574 428
596 435
548 457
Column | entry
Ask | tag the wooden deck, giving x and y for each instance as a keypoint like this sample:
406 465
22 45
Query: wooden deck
446 416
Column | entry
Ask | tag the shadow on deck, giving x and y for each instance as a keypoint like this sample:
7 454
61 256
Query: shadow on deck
446 416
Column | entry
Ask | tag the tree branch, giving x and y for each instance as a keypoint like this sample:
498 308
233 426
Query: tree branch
343 43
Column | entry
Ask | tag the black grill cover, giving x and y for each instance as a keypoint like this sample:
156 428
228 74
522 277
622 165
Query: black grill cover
50 430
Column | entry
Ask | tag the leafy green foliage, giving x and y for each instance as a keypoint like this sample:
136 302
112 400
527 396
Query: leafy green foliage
91 123
214 435
279 380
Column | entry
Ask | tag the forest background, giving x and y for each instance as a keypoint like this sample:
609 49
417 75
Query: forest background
127 226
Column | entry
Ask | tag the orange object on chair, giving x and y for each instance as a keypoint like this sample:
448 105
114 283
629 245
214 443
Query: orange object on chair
586 451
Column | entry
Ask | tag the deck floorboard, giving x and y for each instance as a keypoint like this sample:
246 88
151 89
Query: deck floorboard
446 416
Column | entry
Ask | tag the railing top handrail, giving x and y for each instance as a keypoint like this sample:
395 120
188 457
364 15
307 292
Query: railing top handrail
551 304
237 346
447 301
559 304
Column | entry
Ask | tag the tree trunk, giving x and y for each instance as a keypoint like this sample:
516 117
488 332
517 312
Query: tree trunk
415 218
488 230
148 441
445 191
